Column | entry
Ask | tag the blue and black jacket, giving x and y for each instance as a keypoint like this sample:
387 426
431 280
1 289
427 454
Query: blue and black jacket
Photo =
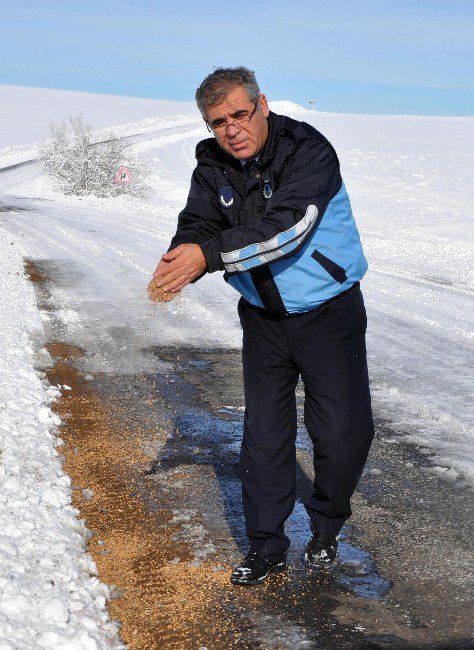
285 234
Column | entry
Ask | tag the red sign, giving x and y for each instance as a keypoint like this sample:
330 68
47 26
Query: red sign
123 176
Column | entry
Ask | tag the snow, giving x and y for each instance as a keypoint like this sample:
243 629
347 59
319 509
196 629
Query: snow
410 180
48 585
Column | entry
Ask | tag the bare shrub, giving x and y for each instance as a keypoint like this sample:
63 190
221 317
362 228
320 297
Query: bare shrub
79 162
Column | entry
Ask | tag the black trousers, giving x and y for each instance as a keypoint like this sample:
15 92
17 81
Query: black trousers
326 347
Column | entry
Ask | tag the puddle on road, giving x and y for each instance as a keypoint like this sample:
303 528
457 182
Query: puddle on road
209 435
64 351
34 273
357 571
209 432
213 438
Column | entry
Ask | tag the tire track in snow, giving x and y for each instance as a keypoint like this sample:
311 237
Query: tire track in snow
439 283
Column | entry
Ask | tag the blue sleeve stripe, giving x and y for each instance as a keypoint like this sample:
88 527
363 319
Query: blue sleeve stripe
251 262
264 252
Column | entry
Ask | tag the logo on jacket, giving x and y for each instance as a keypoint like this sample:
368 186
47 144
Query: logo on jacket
266 188
226 198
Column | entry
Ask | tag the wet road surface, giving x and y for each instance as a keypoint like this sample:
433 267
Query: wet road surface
159 452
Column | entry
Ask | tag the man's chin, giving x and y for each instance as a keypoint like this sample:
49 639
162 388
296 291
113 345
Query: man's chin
241 153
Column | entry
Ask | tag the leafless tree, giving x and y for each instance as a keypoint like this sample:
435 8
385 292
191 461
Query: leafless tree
79 162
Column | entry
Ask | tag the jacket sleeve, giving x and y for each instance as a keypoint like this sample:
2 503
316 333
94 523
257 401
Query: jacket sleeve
309 180
200 220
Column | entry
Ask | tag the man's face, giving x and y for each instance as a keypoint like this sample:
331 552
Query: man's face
243 140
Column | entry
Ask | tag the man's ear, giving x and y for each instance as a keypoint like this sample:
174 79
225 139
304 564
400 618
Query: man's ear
264 104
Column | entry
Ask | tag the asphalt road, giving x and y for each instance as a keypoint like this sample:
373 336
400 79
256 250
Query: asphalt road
160 452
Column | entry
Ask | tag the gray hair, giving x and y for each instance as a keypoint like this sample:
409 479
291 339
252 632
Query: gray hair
217 85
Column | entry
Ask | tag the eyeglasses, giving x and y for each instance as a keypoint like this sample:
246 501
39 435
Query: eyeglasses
239 119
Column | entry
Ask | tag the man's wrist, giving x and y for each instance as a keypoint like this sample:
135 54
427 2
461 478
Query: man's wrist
211 255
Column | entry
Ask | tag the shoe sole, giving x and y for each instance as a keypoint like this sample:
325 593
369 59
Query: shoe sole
278 568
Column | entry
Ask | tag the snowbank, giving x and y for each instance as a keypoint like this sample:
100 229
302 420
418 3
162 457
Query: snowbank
285 107
50 596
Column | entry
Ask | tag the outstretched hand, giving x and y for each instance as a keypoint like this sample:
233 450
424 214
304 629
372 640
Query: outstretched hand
178 267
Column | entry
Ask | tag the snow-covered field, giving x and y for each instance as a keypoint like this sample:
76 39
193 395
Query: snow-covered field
410 180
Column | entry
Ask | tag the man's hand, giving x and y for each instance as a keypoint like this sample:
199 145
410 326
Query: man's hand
179 267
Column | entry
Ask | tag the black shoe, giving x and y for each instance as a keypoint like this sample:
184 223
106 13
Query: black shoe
254 569
321 550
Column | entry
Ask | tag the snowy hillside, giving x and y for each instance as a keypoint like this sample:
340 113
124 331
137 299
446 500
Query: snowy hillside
410 180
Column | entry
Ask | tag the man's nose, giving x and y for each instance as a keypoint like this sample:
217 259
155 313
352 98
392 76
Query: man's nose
232 130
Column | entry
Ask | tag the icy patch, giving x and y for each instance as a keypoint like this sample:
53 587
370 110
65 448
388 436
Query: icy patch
448 440
449 473
194 534
358 572
279 633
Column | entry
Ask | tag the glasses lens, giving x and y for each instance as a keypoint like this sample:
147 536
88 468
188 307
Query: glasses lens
223 126
241 120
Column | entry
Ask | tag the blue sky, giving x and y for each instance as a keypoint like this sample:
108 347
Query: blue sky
360 56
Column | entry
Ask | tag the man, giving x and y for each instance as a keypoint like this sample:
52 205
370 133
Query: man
268 206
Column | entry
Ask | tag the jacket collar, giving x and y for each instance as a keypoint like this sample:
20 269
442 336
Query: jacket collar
271 145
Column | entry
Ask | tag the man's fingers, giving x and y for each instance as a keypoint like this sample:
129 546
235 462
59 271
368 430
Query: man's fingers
170 255
174 292
167 269
186 260
163 268
170 276
176 284
166 263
